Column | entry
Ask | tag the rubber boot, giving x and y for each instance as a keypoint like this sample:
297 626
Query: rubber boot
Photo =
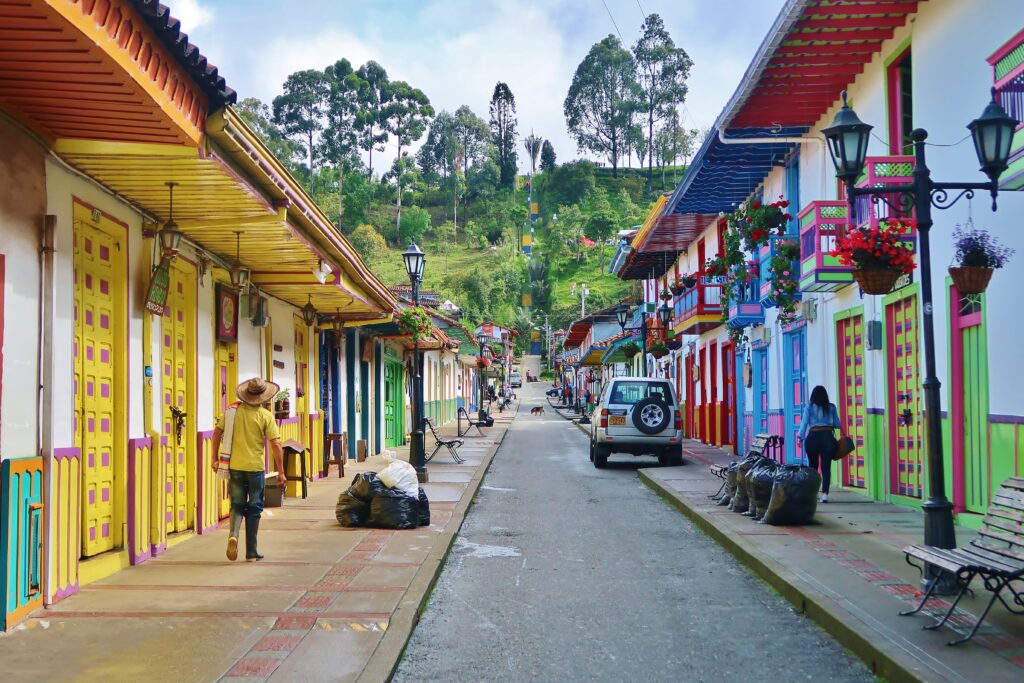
252 528
236 524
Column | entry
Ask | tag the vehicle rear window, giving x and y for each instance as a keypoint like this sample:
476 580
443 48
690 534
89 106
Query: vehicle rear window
628 393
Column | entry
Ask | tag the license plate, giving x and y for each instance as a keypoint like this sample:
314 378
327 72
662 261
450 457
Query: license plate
617 420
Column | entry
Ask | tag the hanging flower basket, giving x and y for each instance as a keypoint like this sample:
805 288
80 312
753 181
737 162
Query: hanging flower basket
666 295
482 362
674 344
689 282
677 288
416 323
876 281
971 279
659 350
630 349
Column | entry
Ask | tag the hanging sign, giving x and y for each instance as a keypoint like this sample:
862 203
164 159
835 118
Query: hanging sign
227 313
156 297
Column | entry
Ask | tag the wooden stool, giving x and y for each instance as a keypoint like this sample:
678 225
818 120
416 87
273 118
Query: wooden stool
335 450
293 447
361 450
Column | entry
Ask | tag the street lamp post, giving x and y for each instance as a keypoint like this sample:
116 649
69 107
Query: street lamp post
847 140
415 260
480 415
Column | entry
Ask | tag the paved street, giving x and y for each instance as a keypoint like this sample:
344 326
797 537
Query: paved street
564 572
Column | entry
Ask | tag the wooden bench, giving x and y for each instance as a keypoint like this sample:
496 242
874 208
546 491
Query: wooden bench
995 555
765 445
440 442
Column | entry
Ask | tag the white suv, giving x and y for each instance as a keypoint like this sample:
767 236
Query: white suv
515 380
637 415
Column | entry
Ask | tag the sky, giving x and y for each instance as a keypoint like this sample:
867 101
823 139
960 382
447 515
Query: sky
456 50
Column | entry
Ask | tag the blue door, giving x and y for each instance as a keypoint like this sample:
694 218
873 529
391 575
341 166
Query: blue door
760 382
794 389
350 389
741 407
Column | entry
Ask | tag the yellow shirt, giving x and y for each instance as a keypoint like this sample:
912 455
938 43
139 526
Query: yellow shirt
254 426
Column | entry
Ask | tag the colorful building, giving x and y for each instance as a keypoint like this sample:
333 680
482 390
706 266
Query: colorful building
136 334
740 371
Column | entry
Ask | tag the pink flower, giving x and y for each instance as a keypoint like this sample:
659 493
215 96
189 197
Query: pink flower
785 273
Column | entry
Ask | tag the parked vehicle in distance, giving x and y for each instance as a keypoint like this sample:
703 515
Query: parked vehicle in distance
640 416
515 380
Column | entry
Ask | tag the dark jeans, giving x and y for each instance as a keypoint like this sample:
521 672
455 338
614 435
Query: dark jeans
246 492
822 446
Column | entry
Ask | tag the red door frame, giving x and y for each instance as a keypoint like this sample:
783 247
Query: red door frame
713 435
728 422
691 396
702 408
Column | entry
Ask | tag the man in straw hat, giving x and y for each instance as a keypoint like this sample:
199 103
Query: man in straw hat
244 428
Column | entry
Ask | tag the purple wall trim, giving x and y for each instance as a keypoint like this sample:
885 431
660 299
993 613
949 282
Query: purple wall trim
71 453
1006 419
158 548
876 411
201 477
133 476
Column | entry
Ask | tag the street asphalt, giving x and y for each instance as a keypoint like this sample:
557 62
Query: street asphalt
563 572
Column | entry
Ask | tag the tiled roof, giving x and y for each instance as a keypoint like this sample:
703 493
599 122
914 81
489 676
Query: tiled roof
168 29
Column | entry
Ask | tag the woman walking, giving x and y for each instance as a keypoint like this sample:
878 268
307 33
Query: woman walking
817 433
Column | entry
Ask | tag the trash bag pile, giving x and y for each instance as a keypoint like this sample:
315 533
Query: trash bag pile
371 502
760 488
794 497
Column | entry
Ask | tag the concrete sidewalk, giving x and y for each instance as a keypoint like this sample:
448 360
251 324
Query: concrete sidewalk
327 603
847 573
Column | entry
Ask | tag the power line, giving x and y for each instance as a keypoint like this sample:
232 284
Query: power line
613 20
641 9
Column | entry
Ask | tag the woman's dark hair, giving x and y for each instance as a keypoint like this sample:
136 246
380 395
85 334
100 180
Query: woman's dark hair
819 397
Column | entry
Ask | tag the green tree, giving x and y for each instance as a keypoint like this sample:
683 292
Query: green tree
340 142
672 142
300 111
473 135
405 116
444 238
258 116
662 69
532 144
600 104
438 159
569 183
547 156
503 132
601 219
415 222
372 98
369 243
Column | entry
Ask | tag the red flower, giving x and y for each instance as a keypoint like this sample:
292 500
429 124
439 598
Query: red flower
749 219
788 216
755 204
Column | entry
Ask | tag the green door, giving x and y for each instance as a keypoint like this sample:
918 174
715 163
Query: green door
394 408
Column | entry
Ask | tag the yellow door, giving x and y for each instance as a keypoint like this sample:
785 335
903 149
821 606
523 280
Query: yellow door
98 344
301 372
225 380
177 358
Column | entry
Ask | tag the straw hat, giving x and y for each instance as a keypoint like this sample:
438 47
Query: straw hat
256 391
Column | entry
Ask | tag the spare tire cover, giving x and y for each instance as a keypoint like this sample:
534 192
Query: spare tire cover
651 415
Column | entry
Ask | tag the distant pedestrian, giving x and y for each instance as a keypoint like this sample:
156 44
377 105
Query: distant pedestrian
238 442
817 432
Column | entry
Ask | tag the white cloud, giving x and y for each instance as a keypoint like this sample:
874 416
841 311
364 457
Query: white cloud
192 14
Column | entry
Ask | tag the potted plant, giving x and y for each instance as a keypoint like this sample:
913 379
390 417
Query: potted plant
677 286
755 222
977 255
878 254
659 350
689 281
282 405
630 349
666 295
482 362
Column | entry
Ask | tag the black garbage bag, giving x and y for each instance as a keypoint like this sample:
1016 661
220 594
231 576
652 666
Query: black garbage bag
351 511
741 500
759 461
761 478
392 509
424 508
366 486
794 495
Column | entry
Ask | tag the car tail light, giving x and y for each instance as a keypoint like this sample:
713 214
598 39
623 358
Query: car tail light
679 421
604 418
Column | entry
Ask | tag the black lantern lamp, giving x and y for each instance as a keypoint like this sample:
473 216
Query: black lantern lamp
170 234
665 315
239 275
621 315
848 143
415 259
993 134
309 312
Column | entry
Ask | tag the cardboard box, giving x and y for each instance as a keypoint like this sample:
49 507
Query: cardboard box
273 493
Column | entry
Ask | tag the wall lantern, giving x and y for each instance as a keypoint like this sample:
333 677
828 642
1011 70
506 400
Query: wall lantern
665 315
309 312
239 275
170 234
621 314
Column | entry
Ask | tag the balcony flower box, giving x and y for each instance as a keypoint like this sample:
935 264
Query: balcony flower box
820 225
699 309
775 247
886 171
745 301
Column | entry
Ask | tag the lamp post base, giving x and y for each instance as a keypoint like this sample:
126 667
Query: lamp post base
939 533
416 454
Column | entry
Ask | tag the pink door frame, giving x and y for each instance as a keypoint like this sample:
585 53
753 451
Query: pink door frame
958 322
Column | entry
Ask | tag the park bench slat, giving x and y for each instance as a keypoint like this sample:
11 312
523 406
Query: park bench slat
1007 514
999 549
1009 498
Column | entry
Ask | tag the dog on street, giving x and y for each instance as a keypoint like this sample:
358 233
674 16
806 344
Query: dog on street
538 410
